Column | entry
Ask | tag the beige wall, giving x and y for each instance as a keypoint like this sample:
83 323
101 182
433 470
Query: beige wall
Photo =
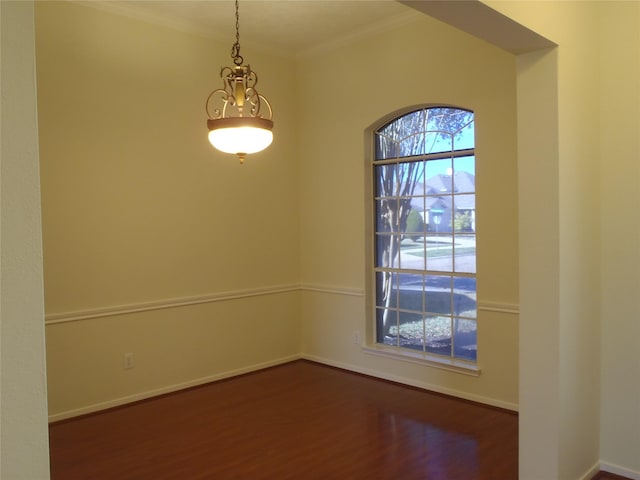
154 244
140 215
620 230
344 92
23 404
579 392
539 265
589 397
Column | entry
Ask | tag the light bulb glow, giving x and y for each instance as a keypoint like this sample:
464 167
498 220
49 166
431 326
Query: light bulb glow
240 135
242 139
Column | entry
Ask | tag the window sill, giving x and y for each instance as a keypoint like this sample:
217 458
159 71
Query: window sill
449 364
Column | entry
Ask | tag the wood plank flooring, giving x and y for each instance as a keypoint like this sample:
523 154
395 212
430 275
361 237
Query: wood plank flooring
300 421
608 476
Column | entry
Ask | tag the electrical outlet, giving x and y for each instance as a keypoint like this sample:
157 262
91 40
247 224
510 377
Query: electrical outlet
128 362
357 340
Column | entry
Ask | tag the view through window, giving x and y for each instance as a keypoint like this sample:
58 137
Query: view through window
425 233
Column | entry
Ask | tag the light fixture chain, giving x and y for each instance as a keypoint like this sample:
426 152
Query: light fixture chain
235 50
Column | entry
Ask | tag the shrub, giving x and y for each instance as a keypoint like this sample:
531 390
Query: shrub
462 222
415 225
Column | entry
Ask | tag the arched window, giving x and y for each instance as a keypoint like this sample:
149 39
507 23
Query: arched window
424 228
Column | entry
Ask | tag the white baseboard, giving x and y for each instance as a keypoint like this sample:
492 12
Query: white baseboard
610 468
591 472
618 470
117 402
414 383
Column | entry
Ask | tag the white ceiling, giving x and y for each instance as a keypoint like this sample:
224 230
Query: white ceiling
286 27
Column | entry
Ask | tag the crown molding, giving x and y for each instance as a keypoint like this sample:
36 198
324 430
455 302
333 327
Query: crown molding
149 16
365 32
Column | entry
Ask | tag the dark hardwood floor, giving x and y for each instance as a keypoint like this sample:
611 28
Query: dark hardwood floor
608 476
300 421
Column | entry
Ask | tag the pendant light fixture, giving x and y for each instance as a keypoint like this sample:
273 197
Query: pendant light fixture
239 117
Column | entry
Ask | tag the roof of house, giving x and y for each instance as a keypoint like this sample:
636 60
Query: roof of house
442 185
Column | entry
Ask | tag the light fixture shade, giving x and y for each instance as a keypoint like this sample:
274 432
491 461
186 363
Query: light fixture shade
240 135
239 117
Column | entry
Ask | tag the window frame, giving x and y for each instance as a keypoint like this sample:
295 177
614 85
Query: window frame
452 363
